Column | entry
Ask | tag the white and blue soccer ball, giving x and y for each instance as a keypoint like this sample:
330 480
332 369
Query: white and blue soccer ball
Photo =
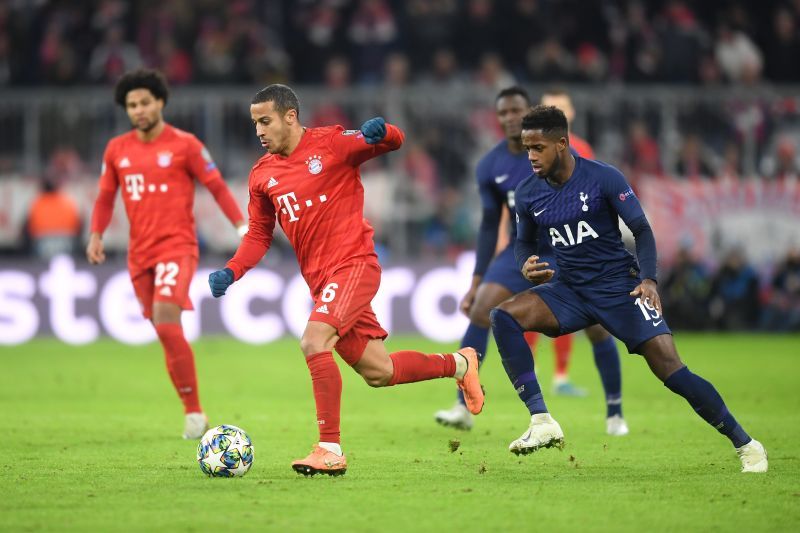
225 451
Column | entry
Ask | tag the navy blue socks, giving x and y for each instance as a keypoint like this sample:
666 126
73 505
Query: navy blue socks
707 403
517 360
606 357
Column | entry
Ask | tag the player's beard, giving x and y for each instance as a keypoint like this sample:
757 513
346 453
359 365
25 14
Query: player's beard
147 127
552 170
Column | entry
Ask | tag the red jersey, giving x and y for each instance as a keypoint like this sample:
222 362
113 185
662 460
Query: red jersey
317 198
157 182
583 148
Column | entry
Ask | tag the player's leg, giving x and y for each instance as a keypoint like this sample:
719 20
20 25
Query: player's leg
528 311
488 295
562 352
606 358
326 457
663 360
163 292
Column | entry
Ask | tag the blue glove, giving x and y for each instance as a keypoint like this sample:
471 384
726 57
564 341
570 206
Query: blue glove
219 281
374 130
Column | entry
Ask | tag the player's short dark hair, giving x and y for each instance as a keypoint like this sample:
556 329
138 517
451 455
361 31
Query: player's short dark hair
283 98
515 90
548 118
143 78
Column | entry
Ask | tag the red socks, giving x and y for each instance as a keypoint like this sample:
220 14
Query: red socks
563 347
531 337
180 365
411 366
327 383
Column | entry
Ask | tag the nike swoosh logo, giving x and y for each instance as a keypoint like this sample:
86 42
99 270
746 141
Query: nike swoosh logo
537 213
501 179
657 323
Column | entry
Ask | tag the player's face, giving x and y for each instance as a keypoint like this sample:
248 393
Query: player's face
545 152
562 102
144 110
272 128
510 110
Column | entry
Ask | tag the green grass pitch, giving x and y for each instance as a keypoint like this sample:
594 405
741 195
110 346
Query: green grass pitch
92 443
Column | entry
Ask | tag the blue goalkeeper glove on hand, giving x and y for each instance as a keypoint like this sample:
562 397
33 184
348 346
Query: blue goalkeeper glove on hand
374 130
219 281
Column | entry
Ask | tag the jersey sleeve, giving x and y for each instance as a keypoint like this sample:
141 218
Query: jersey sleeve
107 191
527 228
257 240
491 211
624 202
352 148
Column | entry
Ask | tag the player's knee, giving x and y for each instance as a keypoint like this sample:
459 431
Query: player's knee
311 344
479 315
377 377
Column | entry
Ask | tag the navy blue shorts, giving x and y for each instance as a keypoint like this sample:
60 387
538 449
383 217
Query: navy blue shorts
503 271
607 303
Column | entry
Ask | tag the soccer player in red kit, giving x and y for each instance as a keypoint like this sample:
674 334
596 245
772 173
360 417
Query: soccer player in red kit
155 165
309 182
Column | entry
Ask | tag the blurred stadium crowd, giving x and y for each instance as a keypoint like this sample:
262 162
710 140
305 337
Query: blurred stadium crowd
369 41
694 95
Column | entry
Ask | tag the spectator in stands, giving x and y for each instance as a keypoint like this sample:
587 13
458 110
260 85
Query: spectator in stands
492 74
372 32
54 223
784 163
550 62
782 50
695 160
113 56
684 292
478 31
782 311
642 156
734 299
682 41
737 55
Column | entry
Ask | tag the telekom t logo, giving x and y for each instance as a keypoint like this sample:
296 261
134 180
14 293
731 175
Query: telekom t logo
287 201
134 184
289 205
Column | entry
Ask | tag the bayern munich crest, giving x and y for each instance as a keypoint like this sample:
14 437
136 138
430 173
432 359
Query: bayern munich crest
164 159
314 164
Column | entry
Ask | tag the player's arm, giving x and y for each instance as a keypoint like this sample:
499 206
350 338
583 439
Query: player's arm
622 199
255 242
491 211
103 209
527 243
375 137
203 168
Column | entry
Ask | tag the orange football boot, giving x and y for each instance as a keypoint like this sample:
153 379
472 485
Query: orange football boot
321 461
470 385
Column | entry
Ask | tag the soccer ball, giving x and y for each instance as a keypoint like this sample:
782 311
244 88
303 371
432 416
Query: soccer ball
225 451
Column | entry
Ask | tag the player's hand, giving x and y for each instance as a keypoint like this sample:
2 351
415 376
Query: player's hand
219 281
468 300
94 251
374 130
537 272
646 290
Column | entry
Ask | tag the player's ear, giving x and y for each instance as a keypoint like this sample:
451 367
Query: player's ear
290 117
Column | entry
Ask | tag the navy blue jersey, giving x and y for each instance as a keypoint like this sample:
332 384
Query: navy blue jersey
498 173
580 221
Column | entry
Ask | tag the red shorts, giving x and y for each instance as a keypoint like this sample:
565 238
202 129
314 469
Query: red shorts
166 281
344 303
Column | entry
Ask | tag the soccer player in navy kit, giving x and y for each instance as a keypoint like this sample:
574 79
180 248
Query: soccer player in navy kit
497 278
575 203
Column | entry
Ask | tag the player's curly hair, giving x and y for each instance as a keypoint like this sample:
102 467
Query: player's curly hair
514 90
548 118
149 79
283 98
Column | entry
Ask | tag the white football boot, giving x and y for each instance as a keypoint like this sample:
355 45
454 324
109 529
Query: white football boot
544 432
457 416
196 425
753 456
616 425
